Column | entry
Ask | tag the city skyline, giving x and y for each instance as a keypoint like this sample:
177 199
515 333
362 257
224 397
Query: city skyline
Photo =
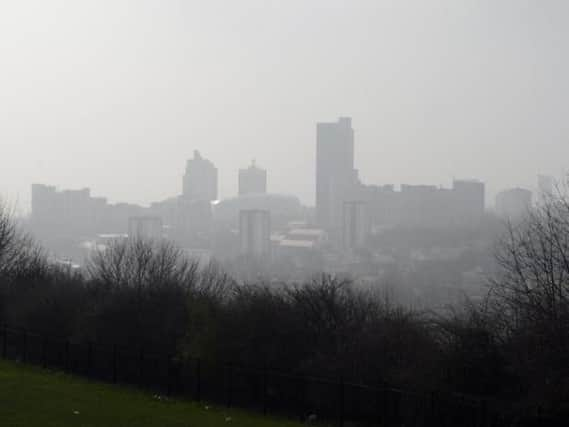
234 203
22 202
352 168
115 96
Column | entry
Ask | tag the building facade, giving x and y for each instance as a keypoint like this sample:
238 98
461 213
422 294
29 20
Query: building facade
145 227
200 179
513 204
426 205
255 233
355 225
335 173
252 180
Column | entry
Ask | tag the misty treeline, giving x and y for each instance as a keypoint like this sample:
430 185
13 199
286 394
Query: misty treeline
512 347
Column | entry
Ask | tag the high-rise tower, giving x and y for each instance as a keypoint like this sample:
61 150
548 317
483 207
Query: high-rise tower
252 180
335 173
200 180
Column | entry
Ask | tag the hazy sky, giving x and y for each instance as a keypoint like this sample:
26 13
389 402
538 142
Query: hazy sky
115 95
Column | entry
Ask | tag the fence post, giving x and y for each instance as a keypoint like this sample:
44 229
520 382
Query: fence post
114 363
265 385
386 407
25 346
168 375
302 385
378 405
483 412
4 341
198 379
229 380
141 365
44 353
67 356
540 421
432 407
89 368
341 403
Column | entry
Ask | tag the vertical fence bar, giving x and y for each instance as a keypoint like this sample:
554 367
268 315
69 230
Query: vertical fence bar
67 356
378 412
265 385
302 385
89 367
432 406
386 408
141 365
24 346
168 376
483 412
341 399
115 364
198 380
4 341
229 385
44 353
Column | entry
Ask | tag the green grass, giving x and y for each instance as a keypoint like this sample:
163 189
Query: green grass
34 397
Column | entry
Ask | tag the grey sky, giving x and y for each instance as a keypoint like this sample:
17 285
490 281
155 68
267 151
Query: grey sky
116 94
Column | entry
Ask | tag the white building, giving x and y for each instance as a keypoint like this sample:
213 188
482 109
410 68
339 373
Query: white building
255 233
356 225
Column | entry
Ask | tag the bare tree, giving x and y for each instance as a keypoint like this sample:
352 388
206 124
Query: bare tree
533 282
141 264
20 256
529 299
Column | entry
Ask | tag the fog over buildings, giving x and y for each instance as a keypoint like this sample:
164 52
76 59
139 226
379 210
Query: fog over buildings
387 138
338 212
115 95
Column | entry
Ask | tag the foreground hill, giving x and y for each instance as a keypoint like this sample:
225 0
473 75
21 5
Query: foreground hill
33 397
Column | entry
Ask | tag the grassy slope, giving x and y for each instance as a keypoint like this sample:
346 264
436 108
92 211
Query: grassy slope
33 397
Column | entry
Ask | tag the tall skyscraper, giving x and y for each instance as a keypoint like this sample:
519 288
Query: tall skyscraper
252 180
255 233
200 180
336 177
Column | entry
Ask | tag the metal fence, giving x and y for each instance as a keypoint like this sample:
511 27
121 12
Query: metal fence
260 389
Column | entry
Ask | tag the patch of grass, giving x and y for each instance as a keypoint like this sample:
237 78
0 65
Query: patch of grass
32 397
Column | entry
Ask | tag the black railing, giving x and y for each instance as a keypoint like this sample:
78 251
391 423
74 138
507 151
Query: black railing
265 390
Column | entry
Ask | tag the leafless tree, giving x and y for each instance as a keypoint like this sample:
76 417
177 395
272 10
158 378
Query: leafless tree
141 264
532 286
20 256
529 298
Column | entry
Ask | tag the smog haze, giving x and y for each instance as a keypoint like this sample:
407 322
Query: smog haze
116 95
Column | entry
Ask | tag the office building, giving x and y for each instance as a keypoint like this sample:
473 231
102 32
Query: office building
355 225
145 227
513 204
336 177
468 199
425 205
77 213
200 180
255 233
252 180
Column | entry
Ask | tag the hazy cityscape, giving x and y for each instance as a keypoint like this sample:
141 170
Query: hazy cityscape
270 213
377 234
